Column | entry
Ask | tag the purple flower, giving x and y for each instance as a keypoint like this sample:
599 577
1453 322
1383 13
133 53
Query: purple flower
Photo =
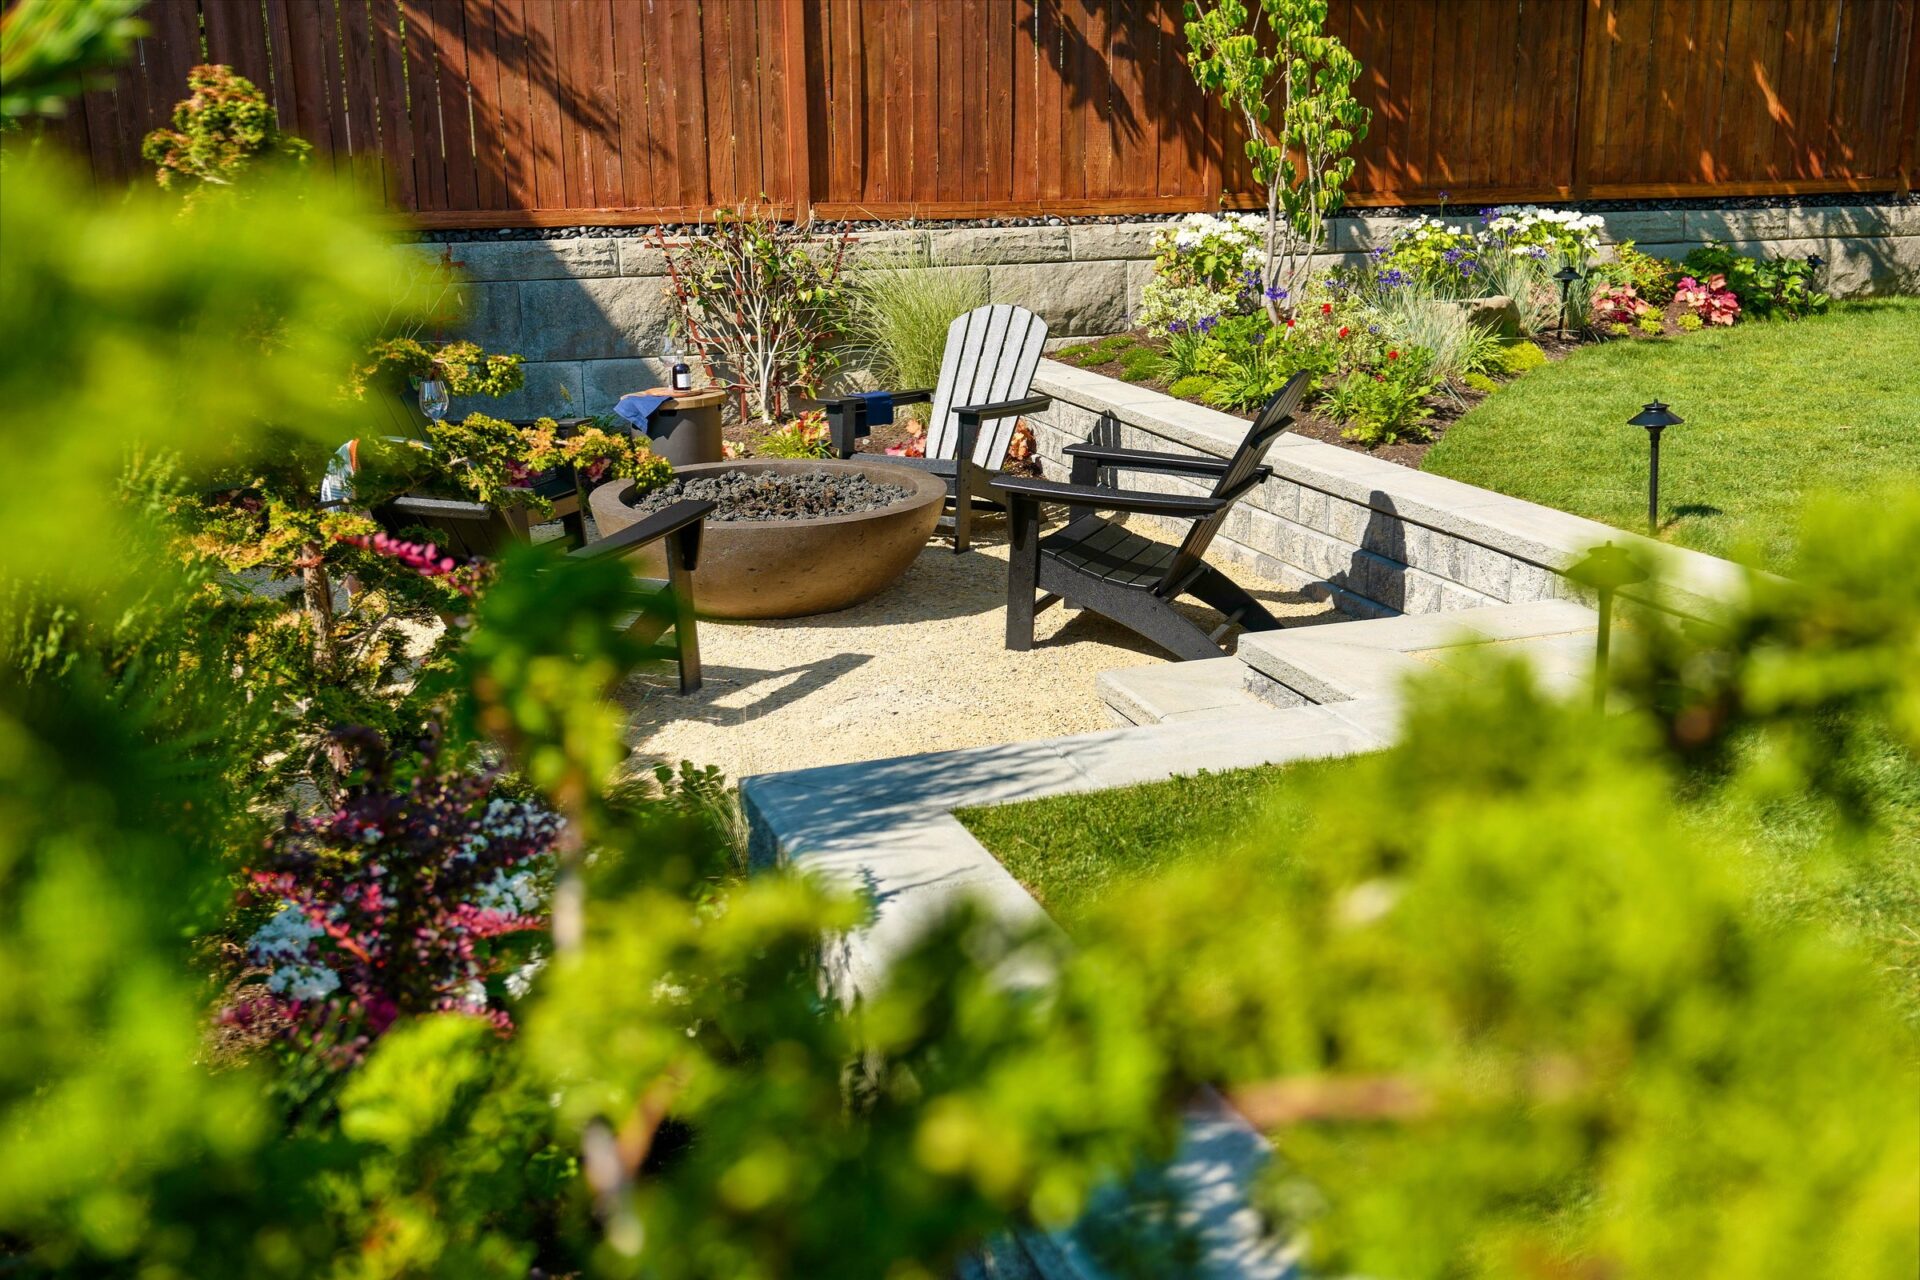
1206 323
1276 294
1373 328
1176 326
1392 278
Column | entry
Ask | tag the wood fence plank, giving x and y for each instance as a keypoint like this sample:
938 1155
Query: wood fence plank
538 35
631 33
453 71
423 105
361 85
315 84
483 87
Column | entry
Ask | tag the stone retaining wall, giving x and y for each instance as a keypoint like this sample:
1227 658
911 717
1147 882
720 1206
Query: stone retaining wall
1377 538
590 314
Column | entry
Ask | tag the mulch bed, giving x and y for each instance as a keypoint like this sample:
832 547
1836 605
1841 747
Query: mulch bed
1447 409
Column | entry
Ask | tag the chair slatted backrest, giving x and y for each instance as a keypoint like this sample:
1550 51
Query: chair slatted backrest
1241 474
464 529
991 356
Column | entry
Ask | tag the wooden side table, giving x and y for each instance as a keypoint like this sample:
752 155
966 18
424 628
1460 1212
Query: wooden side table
686 430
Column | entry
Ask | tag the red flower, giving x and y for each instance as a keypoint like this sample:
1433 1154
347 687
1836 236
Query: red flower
1289 322
1393 355
1344 331
1326 308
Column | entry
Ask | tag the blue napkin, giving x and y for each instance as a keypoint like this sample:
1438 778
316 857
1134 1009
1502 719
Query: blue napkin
639 410
879 406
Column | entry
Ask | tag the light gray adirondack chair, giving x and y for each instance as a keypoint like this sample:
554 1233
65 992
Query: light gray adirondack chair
986 375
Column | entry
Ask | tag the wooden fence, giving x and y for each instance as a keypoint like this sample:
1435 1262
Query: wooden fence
474 113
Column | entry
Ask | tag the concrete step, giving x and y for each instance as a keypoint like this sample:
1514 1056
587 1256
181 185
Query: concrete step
1371 660
1176 691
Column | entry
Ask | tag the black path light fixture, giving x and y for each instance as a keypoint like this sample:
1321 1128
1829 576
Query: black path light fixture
1655 417
1566 276
1815 265
1606 569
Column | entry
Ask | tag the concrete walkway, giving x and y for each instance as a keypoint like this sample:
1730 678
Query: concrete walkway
886 827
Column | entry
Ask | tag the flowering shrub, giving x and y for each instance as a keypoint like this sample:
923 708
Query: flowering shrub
1430 250
411 897
1652 277
1619 304
1211 250
427 560
1164 305
1205 265
804 437
1766 288
1380 407
1712 301
1564 236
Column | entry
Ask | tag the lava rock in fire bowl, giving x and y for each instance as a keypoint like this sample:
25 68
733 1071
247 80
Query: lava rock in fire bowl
789 537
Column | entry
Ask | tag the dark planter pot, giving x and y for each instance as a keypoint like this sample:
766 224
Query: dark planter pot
792 568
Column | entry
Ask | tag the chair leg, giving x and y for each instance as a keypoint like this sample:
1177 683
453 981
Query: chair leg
1023 571
841 431
1159 622
1229 597
962 508
686 633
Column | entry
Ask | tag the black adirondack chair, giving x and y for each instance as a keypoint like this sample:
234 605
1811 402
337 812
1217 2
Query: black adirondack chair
1094 563
657 606
986 373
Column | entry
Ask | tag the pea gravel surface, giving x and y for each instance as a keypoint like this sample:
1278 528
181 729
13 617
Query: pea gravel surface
920 667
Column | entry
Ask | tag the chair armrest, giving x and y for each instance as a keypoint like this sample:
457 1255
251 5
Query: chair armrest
1086 495
1005 408
1147 460
410 504
922 396
652 529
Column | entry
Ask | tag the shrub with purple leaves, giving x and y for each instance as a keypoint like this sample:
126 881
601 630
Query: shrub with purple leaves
413 896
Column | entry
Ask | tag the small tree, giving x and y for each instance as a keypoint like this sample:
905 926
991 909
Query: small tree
762 299
1256 54
225 126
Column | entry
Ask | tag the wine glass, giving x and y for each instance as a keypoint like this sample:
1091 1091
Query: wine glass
434 400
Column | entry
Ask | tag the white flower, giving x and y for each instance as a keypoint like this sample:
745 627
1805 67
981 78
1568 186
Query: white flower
304 981
518 893
286 937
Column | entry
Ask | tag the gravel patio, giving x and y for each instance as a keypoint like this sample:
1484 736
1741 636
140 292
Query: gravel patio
920 667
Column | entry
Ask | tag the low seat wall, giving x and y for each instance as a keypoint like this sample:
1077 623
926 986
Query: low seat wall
1377 538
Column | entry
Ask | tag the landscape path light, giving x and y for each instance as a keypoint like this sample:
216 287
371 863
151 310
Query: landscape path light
1815 264
1655 417
1606 569
1566 276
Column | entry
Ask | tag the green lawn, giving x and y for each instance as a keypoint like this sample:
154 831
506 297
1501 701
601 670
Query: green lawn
1773 411
1069 851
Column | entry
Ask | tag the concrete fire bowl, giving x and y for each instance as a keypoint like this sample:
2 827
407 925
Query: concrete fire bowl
791 568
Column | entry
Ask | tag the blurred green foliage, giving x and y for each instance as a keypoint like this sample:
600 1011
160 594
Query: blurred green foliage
1507 1011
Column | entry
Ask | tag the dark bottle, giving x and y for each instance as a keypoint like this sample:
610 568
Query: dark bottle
682 377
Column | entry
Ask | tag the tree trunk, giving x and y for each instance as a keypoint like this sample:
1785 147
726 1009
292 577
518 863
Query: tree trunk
316 591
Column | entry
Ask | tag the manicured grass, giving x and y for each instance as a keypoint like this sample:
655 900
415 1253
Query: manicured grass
1070 850
1773 411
